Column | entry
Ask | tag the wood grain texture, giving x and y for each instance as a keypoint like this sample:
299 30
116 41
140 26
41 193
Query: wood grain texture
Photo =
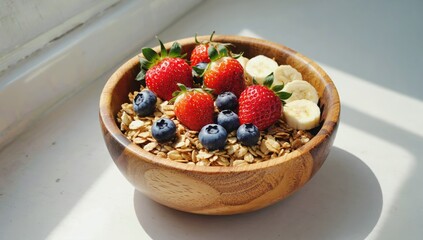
220 190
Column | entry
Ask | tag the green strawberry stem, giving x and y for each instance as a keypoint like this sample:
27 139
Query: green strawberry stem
150 55
214 55
277 89
184 89
175 50
204 42
268 81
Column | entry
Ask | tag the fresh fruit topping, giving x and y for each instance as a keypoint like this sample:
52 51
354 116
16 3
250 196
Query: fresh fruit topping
228 119
302 114
194 108
248 134
301 89
224 74
144 103
213 137
227 100
259 67
163 130
243 60
163 71
200 52
261 105
285 74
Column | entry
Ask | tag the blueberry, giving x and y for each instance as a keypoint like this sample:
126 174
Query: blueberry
145 103
227 100
228 119
163 130
248 134
213 136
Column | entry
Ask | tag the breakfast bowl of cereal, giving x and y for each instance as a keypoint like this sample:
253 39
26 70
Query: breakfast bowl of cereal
219 125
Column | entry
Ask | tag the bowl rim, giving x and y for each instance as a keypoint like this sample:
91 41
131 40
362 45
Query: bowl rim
108 120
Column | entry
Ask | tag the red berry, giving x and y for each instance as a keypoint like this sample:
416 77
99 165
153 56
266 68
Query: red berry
194 109
162 78
164 70
199 54
260 106
225 75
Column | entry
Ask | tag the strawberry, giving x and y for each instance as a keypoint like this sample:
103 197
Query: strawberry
224 73
194 108
200 52
162 72
261 105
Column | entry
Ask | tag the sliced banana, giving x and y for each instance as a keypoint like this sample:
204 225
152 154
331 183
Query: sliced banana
302 114
243 60
259 67
301 89
285 74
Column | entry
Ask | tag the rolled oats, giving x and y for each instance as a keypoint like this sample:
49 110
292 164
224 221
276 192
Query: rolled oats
278 140
241 151
204 155
249 158
126 119
232 140
239 163
138 140
174 155
263 147
272 145
136 124
150 146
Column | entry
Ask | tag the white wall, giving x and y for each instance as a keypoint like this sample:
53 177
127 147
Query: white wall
26 26
61 67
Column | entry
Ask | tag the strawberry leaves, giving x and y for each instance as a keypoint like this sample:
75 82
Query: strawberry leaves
268 81
277 89
204 42
150 54
175 50
218 51
283 95
214 54
184 89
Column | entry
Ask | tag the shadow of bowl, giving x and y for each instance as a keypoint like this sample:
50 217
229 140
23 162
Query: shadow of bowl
343 201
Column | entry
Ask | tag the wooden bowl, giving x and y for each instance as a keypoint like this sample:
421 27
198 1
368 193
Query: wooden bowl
220 190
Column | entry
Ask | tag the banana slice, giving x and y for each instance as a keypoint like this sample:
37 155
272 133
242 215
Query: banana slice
259 67
301 89
285 74
302 114
243 60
